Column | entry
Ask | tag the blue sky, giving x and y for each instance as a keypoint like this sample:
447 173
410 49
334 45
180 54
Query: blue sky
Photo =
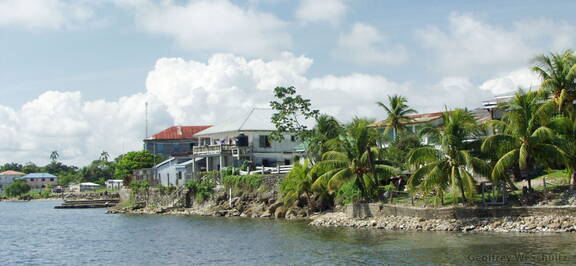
65 63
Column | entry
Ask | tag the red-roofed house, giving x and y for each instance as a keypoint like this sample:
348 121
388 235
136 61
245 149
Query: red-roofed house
7 177
174 141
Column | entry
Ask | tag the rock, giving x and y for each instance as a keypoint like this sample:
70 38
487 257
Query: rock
280 213
273 207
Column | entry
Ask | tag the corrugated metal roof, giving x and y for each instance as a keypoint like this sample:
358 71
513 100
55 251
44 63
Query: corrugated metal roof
38 175
11 172
178 132
258 119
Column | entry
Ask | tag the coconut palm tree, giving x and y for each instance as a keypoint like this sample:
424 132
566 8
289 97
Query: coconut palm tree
297 182
104 156
565 126
54 156
525 141
397 112
558 74
327 128
352 158
450 163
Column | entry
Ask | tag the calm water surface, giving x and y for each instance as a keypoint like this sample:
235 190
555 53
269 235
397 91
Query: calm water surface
36 233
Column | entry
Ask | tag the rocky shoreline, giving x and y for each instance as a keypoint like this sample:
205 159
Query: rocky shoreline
529 224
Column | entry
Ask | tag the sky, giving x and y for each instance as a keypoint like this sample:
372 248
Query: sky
75 74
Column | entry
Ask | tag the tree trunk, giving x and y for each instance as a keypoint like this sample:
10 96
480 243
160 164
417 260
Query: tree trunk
462 192
573 180
310 203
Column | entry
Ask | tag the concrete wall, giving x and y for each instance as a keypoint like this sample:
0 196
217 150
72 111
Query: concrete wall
362 210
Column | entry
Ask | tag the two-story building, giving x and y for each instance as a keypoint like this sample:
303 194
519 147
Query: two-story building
7 177
40 180
243 138
173 141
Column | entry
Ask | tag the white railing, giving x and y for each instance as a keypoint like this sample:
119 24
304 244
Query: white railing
280 169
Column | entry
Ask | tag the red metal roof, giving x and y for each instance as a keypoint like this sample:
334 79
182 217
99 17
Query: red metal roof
179 132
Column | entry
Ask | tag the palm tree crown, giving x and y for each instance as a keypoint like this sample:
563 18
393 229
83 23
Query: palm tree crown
397 112
558 74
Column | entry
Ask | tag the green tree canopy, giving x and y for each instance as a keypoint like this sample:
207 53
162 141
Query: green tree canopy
17 188
290 109
134 160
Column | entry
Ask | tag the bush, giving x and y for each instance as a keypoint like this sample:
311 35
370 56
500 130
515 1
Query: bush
17 188
348 193
202 190
244 183
139 186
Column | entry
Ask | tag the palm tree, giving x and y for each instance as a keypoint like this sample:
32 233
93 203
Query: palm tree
352 158
525 139
565 126
104 156
397 114
297 182
327 128
558 74
451 162
54 156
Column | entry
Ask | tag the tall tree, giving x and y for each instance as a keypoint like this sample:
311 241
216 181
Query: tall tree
104 156
526 139
131 161
327 128
558 74
450 163
352 158
397 111
290 109
54 155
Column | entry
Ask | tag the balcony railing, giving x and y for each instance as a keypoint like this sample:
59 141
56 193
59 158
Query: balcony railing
220 149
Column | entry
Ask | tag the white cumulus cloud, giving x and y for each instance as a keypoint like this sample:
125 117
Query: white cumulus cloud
46 14
470 46
510 82
330 11
364 44
213 25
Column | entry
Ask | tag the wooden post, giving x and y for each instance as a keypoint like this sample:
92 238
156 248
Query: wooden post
278 168
230 197
544 184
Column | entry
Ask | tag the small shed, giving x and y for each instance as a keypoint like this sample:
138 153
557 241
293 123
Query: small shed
114 184
83 187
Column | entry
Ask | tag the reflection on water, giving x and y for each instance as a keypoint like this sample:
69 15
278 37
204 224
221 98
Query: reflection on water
35 233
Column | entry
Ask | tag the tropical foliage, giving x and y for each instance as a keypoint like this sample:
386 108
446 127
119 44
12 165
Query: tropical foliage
397 111
526 140
450 163
353 158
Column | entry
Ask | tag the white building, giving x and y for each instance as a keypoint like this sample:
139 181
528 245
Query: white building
243 138
83 187
114 184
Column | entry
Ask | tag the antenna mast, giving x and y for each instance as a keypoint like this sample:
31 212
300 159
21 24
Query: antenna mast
146 114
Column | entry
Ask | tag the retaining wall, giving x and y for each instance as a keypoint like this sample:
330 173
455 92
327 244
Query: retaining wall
362 210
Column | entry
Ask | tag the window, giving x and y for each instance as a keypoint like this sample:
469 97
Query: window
179 175
286 161
51 179
293 138
31 179
264 142
43 179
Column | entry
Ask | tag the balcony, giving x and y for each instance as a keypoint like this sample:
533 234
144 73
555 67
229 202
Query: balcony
222 149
